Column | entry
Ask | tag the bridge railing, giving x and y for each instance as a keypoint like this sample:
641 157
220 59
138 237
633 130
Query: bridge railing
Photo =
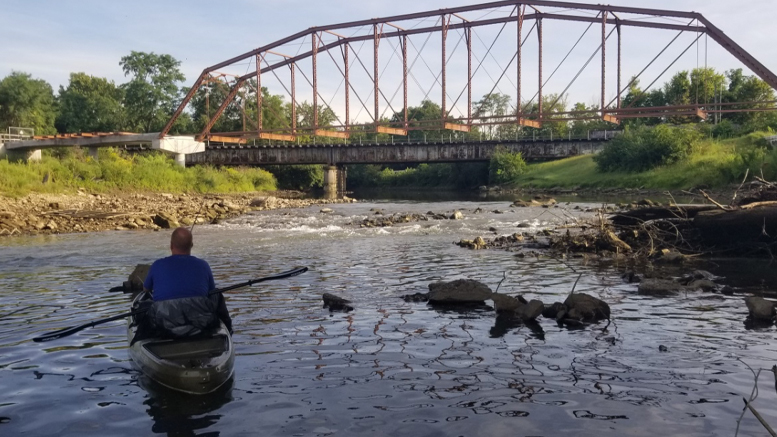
17 134
441 137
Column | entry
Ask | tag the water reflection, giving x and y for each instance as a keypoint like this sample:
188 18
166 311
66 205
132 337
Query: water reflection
180 414
504 323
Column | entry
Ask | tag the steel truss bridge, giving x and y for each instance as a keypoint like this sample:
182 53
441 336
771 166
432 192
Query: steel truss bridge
348 89
378 59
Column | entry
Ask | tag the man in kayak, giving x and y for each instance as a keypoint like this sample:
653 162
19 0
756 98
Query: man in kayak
180 285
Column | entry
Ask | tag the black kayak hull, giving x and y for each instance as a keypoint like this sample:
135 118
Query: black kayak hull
198 365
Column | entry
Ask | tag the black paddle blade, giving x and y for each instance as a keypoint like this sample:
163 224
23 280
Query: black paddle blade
72 330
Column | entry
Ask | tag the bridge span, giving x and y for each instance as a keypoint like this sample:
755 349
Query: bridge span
388 153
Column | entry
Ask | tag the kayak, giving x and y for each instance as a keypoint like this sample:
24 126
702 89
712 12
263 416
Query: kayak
196 365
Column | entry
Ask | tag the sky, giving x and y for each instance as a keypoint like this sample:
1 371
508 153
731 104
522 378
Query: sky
49 39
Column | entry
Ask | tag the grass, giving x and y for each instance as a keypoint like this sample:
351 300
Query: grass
715 164
116 171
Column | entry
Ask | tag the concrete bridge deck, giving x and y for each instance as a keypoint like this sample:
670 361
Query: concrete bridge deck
387 153
188 151
180 146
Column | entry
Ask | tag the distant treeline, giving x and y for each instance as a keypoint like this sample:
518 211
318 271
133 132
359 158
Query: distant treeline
154 90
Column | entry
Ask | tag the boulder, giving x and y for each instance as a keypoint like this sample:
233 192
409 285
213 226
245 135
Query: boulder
417 297
759 308
166 221
477 243
531 310
262 202
703 285
457 215
551 311
586 308
505 303
659 287
134 282
335 303
460 291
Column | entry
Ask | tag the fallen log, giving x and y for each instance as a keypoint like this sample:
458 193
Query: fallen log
738 226
641 215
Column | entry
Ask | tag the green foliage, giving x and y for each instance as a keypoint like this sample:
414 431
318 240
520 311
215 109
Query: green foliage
90 104
459 175
152 93
298 177
644 148
27 102
713 164
505 166
117 171
496 106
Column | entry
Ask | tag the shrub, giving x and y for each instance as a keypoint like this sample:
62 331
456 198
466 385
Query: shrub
505 166
645 148
298 177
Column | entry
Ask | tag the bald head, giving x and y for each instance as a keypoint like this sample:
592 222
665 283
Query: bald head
181 242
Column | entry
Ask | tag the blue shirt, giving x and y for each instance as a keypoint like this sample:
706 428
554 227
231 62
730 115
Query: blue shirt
179 276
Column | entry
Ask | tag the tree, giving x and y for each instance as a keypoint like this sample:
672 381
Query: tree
582 127
90 104
637 98
206 102
743 88
496 107
151 96
305 115
27 102
551 104
706 84
425 118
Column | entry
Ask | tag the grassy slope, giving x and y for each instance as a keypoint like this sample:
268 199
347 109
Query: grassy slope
716 164
118 172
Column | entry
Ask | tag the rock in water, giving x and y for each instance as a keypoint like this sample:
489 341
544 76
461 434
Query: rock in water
659 287
460 291
531 310
586 308
760 308
335 303
138 277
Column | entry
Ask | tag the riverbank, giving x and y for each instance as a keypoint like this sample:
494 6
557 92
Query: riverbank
40 213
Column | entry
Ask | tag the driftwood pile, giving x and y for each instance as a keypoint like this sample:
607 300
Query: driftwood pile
747 226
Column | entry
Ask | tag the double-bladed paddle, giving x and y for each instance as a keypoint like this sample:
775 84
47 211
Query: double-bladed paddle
72 330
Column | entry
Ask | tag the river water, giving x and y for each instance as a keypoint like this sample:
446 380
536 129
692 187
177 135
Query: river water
389 367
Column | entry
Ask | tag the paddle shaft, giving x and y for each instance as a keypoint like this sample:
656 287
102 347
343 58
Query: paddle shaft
72 330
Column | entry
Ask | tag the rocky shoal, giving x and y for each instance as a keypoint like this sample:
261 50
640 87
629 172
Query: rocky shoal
39 213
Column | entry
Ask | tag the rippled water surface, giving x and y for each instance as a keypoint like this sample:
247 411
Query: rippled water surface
388 367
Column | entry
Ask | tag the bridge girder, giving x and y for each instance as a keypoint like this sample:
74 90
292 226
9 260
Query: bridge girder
515 12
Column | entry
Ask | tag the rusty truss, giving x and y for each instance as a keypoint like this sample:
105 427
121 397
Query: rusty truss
359 73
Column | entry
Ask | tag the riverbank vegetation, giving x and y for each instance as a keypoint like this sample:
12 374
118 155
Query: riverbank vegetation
68 170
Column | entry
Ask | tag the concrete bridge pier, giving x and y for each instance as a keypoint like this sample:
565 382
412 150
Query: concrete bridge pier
334 180
341 177
330 180
93 153
33 155
3 151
